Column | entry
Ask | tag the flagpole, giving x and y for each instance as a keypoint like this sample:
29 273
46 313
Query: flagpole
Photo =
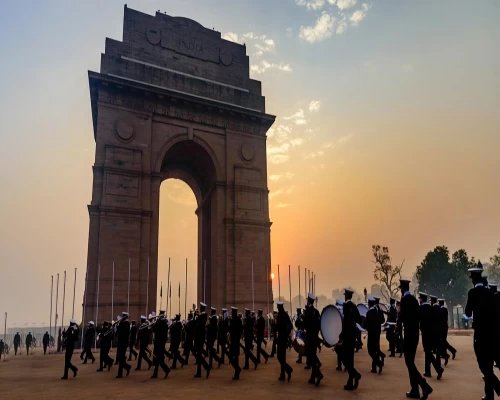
51 297
74 293
290 288
64 299
5 330
168 283
170 299
112 292
186 291
147 291
179 297
253 292
128 294
305 283
161 293
97 302
204 279
279 284
84 303
55 323
300 302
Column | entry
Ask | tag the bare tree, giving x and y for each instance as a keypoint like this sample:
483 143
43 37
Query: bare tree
385 273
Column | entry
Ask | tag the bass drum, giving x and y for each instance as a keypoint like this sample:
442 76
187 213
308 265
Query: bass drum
299 342
363 309
331 325
385 310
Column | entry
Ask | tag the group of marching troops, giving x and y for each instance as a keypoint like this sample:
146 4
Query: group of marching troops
215 337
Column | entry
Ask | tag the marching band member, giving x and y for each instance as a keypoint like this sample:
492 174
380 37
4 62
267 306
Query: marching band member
443 324
340 305
222 335
391 329
481 305
71 335
132 341
283 327
312 327
17 342
143 338
273 332
212 337
409 316
45 342
348 339
199 341
260 328
190 329
248 333
496 294
118 318
299 325
27 342
123 334
372 325
436 329
235 329
381 319
175 341
160 330
89 340
105 341
427 323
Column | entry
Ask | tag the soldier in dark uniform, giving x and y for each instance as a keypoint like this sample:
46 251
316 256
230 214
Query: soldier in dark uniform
190 329
235 329
45 342
89 340
381 318
2 348
409 315
175 341
132 341
105 346
496 294
311 326
212 337
248 336
273 332
399 331
428 321
17 342
348 339
299 326
437 331
199 341
391 329
29 339
373 327
222 335
260 328
143 339
443 326
123 334
283 327
160 330
481 306
71 335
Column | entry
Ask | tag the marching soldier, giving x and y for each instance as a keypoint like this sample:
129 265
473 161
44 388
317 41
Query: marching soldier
283 327
89 340
381 318
427 327
132 341
118 318
2 348
175 341
347 339
105 343
17 342
235 329
437 331
391 329
212 337
399 331
123 333
481 305
445 346
222 335
71 335
493 288
311 326
248 335
273 332
260 328
190 329
143 339
199 341
29 339
45 342
299 325
409 316
161 334
372 325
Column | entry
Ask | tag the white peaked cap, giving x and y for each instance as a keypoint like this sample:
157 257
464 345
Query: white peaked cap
91 322
339 302
311 296
213 308
124 313
202 304
234 308
72 321
153 314
371 298
143 317
279 303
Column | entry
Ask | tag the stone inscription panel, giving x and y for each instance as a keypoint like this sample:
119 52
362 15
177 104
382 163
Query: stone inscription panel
249 201
122 185
247 176
119 157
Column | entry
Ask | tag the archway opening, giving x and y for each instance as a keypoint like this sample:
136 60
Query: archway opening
178 240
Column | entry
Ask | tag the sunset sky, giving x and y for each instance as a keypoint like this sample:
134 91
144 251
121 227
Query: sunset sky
387 132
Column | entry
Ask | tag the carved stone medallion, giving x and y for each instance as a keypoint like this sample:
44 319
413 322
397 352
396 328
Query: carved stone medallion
124 130
247 152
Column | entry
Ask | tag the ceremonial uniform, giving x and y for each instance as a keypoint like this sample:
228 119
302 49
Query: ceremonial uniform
175 341
132 341
283 329
260 329
312 326
273 333
190 329
143 338
17 342
381 319
45 342
299 326
71 335
409 316
29 339
348 340
235 328
199 341
391 329
211 338
481 306
222 336
428 323
105 344
160 330
89 341
123 334
2 348
373 326
248 336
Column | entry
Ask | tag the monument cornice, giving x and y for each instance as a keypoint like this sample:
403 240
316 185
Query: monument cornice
173 103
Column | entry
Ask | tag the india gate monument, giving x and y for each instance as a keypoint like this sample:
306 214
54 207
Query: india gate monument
175 100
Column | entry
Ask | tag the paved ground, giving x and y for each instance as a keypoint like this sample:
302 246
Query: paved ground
38 377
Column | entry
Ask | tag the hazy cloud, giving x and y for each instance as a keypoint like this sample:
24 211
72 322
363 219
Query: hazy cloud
231 36
298 117
296 142
263 66
282 205
314 105
346 138
311 4
278 177
322 30
275 193
359 15
289 32
278 158
345 4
